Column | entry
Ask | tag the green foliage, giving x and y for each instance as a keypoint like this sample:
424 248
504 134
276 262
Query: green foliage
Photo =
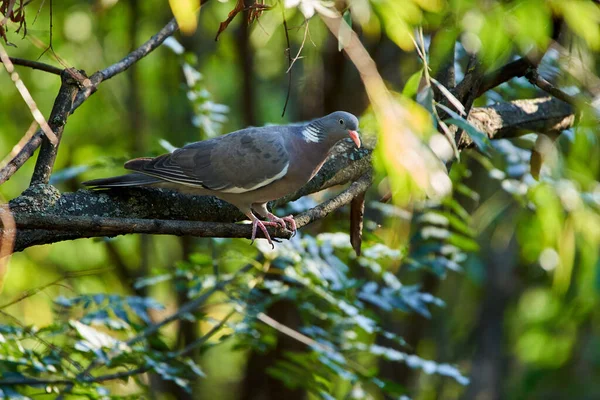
340 312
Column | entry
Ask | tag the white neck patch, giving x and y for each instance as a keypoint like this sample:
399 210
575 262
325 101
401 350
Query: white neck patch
311 134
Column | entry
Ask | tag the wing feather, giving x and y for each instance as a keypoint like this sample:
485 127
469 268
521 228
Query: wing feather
239 162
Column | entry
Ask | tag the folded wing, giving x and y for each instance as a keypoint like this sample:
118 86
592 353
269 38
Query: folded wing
235 163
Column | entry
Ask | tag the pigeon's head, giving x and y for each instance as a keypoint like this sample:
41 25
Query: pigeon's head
332 128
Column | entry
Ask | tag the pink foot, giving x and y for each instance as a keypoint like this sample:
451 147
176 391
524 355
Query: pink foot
257 223
282 222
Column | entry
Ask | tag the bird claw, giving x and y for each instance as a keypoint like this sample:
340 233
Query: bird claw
290 219
263 227
282 222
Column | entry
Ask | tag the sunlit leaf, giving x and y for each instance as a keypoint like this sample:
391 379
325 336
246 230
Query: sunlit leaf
185 12
411 87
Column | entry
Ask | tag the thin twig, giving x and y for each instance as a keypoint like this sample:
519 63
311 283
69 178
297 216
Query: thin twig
302 338
35 65
288 51
141 52
536 79
51 30
23 154
299 50
19 146
200 341
286 330
68 275
120 66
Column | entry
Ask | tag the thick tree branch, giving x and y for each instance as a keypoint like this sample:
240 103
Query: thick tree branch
97 213
511 119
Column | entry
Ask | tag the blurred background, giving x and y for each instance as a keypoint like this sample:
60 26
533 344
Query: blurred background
501 294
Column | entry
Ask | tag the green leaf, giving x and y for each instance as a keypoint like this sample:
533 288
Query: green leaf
479 138
412 84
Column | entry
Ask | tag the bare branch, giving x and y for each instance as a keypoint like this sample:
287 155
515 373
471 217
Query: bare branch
141 52
467 90
36 290
21 157
149 46
36 65
288 52
41 228
536 79
58 118
505 73
322 210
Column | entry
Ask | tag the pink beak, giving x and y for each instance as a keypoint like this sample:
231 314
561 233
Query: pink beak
354 137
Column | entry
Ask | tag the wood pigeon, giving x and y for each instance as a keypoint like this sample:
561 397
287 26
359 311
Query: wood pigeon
246 168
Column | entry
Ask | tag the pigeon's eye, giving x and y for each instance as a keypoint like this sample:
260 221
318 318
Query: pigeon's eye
341 121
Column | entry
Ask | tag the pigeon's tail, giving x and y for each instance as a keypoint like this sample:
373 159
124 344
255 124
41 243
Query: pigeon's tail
134 179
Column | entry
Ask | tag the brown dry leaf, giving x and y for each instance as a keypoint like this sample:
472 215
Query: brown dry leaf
357 212
239 7
255 11
7 8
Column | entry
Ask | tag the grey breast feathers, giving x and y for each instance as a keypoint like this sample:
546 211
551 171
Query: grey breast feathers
235 163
